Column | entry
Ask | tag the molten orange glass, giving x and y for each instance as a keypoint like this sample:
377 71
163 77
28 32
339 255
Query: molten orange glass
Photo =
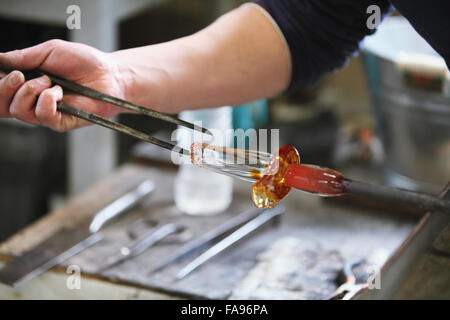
271 188
317 180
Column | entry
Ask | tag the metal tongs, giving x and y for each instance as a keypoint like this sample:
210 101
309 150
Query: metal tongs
93 118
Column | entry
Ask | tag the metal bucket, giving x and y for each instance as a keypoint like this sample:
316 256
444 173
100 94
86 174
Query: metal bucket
412 111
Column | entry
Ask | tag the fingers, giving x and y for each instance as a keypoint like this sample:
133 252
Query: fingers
46 112
8 87
22 105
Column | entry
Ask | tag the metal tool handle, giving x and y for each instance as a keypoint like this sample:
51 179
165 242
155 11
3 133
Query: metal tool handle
151 237
121 205
141 244
94 94
208 237
234 237
87 116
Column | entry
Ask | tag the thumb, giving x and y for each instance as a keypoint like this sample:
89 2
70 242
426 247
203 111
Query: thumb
29 58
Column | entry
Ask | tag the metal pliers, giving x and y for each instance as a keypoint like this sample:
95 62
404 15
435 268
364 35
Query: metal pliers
93 118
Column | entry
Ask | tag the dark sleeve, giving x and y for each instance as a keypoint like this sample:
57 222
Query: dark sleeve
431 20
321 34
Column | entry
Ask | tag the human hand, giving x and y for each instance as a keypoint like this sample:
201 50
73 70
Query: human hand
34 101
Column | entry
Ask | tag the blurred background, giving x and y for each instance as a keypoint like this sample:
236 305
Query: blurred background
336 123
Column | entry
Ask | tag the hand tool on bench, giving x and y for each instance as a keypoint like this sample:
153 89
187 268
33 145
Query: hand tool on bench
68 242
209 237
244 231
146 239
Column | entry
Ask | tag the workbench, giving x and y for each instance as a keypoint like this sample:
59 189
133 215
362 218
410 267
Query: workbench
316 229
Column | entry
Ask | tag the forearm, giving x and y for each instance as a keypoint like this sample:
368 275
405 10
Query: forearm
240 57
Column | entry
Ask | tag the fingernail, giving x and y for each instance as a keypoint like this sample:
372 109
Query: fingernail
44 80
14 78
60 91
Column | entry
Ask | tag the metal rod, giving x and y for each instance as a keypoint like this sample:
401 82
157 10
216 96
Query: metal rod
208 238
147 240
94 94
122 204
227 242
395 195
64 107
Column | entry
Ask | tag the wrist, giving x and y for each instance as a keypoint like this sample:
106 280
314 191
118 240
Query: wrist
141 84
